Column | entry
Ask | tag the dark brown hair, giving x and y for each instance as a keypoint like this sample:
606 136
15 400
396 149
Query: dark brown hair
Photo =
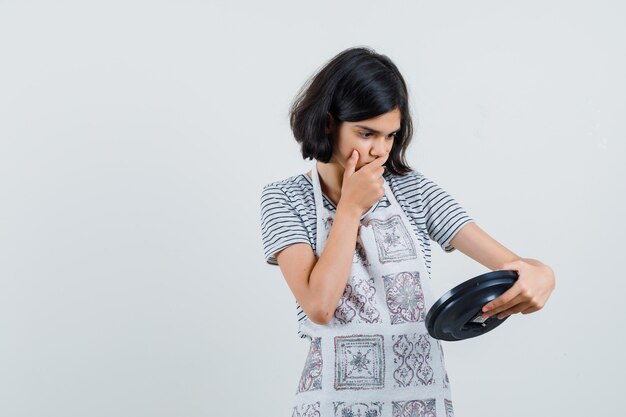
355 85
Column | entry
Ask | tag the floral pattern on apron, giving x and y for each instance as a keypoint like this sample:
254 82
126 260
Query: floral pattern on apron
375 357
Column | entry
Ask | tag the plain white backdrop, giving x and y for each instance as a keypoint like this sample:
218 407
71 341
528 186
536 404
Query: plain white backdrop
135 138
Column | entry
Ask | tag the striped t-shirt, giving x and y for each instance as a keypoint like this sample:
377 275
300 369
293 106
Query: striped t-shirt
288 214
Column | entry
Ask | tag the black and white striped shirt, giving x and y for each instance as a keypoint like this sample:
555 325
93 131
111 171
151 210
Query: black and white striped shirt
288 214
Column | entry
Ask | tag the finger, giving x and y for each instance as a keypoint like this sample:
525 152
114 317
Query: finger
351 163
514 310
530 310
512 303
494 306
378 162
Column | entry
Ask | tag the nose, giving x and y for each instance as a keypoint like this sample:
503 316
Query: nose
379 148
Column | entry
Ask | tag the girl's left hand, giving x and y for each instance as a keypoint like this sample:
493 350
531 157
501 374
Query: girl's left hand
530 292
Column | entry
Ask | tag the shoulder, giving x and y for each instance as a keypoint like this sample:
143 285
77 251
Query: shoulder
415 190
414 179
295 188
294 180
407 184
408 176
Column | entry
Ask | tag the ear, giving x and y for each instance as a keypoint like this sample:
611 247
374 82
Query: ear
330 123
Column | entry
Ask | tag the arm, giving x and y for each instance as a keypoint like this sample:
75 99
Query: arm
478 245
535 279
319 283
330 275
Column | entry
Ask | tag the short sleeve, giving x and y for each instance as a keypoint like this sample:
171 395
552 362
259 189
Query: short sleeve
444 215
281 225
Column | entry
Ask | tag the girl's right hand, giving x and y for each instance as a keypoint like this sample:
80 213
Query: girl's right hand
364 187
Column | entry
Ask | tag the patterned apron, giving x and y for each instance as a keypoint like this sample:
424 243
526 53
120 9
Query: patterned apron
375 357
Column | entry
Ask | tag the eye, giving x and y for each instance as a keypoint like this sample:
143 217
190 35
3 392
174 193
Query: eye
368 134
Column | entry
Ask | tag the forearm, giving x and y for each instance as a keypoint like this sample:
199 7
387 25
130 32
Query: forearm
536 262
331 272
533 262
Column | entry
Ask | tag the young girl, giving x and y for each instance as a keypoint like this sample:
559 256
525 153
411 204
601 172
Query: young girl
351 237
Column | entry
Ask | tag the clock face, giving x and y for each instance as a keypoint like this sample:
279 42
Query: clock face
457 315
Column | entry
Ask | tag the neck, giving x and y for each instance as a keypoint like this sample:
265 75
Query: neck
331 178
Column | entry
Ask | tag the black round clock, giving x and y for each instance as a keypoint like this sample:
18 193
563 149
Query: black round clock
457 315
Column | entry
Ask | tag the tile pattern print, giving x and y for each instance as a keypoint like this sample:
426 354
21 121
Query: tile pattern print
414 408
311 378
413 360
359 362
404 296
448 406
358 302
446 381
358 409
328 222
306 410
393 240
360 359
359 254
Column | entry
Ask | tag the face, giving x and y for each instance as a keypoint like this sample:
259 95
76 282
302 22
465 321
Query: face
371 138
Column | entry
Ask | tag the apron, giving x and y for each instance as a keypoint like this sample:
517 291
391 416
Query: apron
375 357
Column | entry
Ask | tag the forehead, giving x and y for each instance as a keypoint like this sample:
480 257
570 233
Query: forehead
376 126
384 120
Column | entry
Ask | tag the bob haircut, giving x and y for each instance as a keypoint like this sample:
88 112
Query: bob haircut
355 85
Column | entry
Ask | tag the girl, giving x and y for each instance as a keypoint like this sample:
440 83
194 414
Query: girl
351 238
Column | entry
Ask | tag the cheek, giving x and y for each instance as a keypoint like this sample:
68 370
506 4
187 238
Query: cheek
346 148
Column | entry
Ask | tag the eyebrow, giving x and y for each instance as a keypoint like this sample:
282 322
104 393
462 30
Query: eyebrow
376 131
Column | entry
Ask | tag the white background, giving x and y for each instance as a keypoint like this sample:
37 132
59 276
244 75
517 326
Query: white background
135 138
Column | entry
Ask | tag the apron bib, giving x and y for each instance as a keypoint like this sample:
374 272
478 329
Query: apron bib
375 357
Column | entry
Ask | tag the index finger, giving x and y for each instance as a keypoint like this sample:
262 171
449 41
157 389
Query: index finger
378 161
496 305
